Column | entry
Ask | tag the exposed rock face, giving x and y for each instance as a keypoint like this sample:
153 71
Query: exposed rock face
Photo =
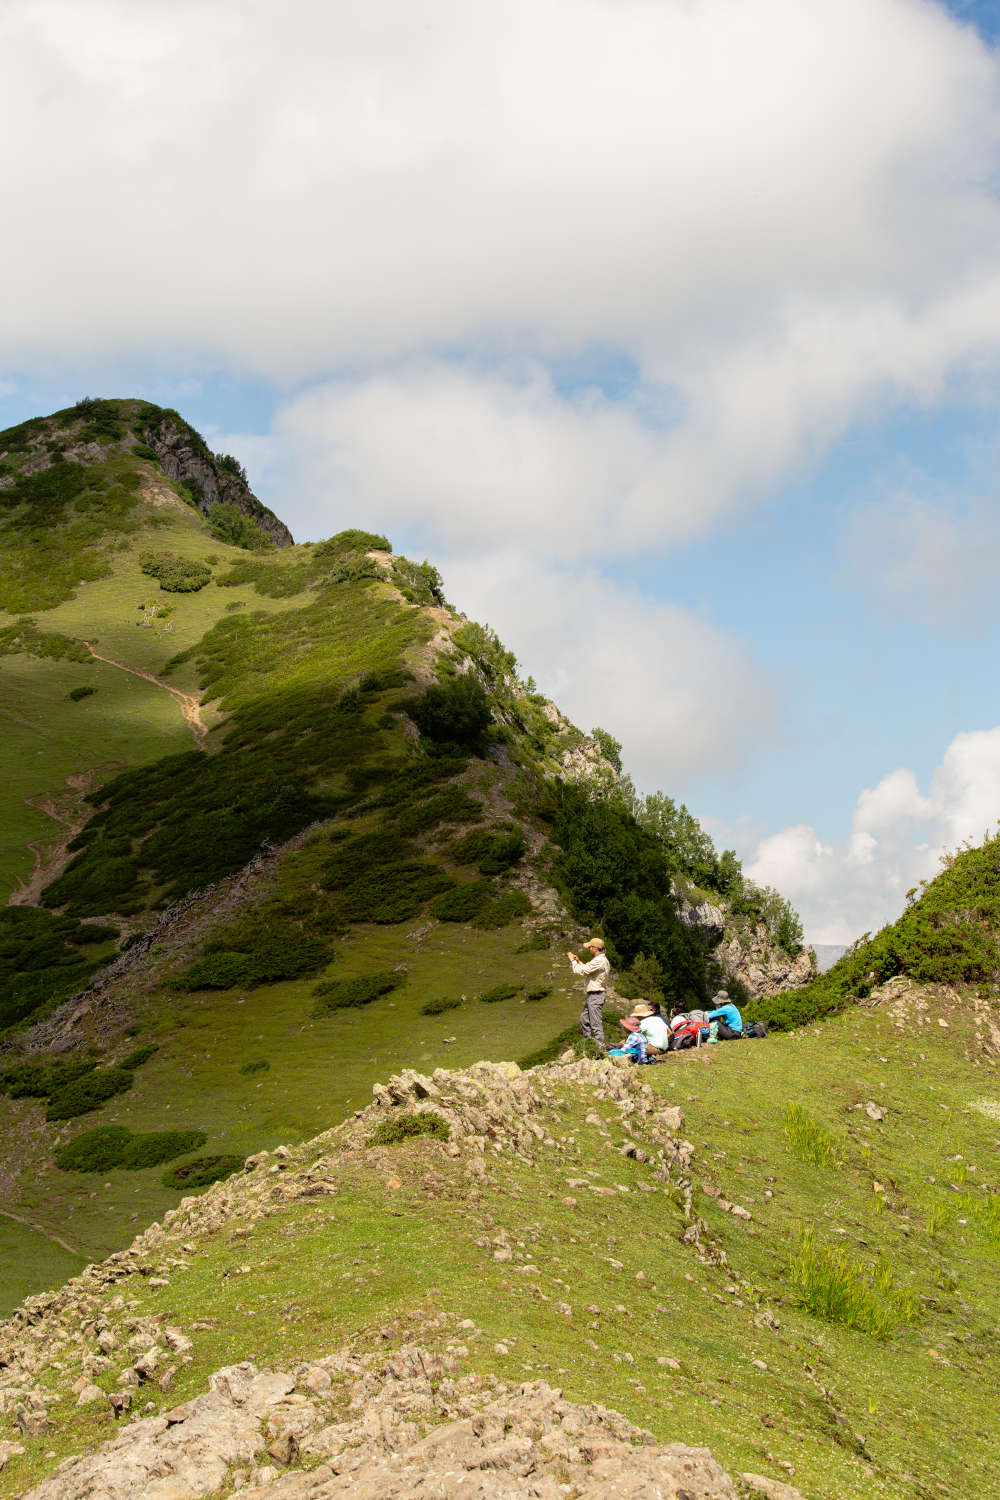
411 1429
762 966
186 462
754 958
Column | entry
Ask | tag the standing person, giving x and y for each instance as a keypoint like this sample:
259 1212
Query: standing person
596 971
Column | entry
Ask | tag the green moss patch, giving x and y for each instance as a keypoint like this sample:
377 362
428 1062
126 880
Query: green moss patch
407 1126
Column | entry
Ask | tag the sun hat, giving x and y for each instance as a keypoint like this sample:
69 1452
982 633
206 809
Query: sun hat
595 943
642 1009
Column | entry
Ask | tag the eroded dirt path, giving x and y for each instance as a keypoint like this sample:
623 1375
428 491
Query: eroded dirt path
72 812
187 702
40 1229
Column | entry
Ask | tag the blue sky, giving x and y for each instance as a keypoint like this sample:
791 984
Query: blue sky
669 331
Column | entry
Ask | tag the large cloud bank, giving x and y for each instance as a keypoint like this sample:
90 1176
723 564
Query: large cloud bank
898 835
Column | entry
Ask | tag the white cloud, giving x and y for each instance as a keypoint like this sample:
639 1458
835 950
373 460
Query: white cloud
465 455
781 211
682 696
898 835
935 561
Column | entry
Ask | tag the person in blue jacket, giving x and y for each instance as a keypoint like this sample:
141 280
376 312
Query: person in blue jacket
729 1019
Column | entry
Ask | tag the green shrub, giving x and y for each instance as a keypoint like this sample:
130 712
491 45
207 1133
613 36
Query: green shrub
230 465
139 1056
110 1146
43 959
356 567
88 1092
228 523
39 1077
493 851
463 902
202 1171
453 805
342 994
419 583
176 575
143 450
259 1065
352 540
500 992
220 971
440 1005
538 992
97 1150
616 878
453 714
506 909
153 1148
408 1126
83 691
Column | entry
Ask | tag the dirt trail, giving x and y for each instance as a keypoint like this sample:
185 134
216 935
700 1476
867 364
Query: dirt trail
187 702
51 859
40 1229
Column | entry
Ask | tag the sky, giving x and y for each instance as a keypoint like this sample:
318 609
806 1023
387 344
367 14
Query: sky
669 330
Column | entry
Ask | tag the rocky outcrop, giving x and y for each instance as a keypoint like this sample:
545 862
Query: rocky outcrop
186 460
411 1428
765 969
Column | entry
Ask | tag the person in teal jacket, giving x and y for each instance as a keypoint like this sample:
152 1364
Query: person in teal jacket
729 1018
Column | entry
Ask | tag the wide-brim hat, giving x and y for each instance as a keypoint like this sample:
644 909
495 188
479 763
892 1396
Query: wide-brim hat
642 1009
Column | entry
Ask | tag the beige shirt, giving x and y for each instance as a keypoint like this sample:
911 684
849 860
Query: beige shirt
597 971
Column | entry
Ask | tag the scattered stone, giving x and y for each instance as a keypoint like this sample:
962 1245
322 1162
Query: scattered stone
88 1394
873 1111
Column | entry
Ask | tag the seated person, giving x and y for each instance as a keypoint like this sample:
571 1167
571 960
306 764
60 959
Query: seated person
653 1027
729 1019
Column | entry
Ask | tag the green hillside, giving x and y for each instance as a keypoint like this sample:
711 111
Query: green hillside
365 805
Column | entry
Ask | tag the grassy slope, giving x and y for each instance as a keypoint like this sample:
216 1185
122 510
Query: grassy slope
848 1414
319 1068
128 721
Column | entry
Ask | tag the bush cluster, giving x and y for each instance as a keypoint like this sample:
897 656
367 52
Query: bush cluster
377 878
950 934
354 567
88 1092
493 851
109 1146
440 1005
344 994
25 637
454 715
228 523
176 575
202 1171
83 691
279 952
500 992
616 879
45 958
408 1126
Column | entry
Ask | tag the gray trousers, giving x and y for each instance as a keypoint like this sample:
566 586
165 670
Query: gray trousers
592 1016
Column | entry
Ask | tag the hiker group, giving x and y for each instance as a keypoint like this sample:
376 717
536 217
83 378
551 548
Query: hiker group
649 1035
